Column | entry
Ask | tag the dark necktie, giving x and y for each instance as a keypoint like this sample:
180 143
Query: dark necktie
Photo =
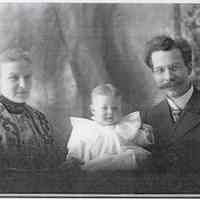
176 114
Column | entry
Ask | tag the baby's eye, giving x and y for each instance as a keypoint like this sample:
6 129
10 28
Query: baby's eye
104 108
115 108
159 70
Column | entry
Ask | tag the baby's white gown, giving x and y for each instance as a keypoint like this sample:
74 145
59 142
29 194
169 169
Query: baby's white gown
113 147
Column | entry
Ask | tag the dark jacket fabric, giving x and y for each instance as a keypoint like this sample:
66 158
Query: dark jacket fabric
177 145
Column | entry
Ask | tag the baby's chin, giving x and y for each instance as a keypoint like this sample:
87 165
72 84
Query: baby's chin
109 123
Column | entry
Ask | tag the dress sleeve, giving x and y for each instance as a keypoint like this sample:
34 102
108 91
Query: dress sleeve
51 153
56 154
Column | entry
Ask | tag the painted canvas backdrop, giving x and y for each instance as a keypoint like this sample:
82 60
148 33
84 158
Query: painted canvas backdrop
74 47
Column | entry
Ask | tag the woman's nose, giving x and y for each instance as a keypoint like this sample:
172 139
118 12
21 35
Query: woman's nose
22 83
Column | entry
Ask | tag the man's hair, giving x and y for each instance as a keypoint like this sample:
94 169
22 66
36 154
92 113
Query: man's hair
14 54
166 43
105 90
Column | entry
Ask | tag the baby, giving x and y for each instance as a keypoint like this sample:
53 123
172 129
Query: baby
109 141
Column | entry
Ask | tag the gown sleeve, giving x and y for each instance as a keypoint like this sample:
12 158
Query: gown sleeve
132 131
81 139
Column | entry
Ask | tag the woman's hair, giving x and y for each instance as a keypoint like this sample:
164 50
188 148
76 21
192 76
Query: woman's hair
14 54
166 43
105 90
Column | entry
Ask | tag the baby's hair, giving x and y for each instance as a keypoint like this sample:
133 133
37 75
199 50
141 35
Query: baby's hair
105 90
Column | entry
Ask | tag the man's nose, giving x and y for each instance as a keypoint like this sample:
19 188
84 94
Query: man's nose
168 74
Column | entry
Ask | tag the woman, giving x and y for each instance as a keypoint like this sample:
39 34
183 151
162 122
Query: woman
25 134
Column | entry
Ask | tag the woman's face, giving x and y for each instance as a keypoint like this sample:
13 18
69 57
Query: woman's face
16 80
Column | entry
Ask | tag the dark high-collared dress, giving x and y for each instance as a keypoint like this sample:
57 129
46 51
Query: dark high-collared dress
26 140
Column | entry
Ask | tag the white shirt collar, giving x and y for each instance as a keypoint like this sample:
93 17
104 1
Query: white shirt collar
181 101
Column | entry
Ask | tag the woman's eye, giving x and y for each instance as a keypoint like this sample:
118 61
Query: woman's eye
13 78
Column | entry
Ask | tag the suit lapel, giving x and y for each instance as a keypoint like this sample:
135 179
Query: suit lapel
164 123
190 117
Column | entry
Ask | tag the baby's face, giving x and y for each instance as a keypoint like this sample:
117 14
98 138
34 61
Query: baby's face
106 110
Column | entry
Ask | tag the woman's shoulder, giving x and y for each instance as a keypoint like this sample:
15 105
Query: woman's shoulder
40 118
2 108
36 112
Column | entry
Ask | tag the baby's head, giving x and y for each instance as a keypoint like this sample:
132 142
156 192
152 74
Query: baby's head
106 104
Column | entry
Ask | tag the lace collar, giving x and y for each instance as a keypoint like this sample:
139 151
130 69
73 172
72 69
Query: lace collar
12 107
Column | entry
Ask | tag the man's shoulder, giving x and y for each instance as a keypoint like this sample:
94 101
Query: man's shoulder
155 107
196 93
194 102
162 106
153 111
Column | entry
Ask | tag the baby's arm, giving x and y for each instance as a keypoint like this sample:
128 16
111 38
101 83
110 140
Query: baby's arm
128 160
73 161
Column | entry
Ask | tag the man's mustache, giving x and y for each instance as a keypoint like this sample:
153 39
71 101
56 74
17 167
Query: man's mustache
169 84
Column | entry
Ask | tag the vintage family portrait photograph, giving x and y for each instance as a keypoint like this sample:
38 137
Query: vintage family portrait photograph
99 99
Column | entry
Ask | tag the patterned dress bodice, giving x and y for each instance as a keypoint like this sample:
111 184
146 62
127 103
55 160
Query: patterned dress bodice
25 137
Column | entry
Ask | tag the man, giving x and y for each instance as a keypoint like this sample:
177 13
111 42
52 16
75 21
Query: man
176 119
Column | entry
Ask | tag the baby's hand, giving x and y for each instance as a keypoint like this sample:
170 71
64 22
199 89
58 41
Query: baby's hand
147 128
144 136
148 132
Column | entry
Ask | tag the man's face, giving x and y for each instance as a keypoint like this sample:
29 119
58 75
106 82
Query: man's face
170 72
106 110
16 80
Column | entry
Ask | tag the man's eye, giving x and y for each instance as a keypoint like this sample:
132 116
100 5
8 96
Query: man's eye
159 70
175 67
27 77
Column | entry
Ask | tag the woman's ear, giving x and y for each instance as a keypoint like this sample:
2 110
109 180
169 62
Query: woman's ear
92 108
190 68
92 111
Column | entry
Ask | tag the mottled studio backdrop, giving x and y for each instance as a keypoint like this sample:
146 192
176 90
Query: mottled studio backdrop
74 47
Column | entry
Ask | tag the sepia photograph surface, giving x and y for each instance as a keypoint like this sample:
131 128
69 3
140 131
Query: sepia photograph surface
99 99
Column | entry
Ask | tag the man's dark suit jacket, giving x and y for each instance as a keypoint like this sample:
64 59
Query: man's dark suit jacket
177 145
